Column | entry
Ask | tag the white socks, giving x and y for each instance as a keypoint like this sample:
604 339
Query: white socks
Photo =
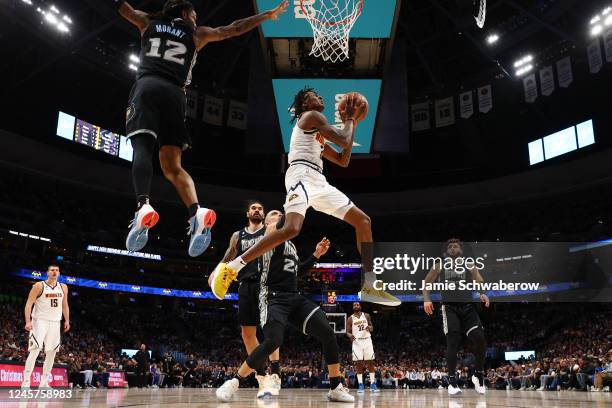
360 378
29 366
237 264
372 378
47 366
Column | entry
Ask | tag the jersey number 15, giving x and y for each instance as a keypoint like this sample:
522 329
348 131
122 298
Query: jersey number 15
173 51
53 302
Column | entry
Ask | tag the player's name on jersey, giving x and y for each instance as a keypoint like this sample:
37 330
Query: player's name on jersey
162 28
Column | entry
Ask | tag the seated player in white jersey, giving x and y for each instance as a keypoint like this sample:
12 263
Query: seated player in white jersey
359 330
50 301
307 186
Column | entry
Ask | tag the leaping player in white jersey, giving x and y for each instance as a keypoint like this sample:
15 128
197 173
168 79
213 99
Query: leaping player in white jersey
359 330
50 301
307 186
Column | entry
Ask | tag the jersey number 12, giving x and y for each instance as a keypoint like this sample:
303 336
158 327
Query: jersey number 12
173 51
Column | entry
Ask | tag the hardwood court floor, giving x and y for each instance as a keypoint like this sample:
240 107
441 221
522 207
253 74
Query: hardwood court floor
245 398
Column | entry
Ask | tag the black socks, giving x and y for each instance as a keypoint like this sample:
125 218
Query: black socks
141 200
275 365
334 382
193 209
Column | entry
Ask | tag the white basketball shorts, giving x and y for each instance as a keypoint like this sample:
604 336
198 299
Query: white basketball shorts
306 187
45 332
363 349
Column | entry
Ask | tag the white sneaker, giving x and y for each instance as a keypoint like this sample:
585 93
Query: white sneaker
264 388
199 231
226 391
454 390
274 384
144 219
25 385
607 388
440 387
480 389
541 388
340 394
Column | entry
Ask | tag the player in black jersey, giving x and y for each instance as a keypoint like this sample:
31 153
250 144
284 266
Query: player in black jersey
170 42
248 295
280 305
459 315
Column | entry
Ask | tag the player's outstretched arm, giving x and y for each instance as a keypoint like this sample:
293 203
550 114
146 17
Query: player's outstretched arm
139 18
35 292
205 34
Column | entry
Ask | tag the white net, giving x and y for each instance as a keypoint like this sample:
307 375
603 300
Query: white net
482 13
331 22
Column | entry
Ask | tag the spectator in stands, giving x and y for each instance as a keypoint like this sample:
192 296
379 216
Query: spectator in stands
142 360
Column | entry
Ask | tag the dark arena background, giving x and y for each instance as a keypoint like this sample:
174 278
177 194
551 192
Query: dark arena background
499 134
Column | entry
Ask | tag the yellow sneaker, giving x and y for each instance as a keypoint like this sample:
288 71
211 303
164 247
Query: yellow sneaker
369 294
222 278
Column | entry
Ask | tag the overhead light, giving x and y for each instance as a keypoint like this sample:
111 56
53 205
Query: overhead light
134 58
492 39
29 2
63 27
523 70
133 67
67 19
595 19
51 18
606 11
526 59
596 30
54 9
608 21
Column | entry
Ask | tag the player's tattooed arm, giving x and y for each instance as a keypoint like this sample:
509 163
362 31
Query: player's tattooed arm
139 18
35 292
430 278
65 308
232 249
349 328
370 327
205 34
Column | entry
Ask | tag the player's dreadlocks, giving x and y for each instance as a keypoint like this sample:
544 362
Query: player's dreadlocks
173 9
297 108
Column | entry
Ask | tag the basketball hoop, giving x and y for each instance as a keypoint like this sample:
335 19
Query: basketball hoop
331 22
481 16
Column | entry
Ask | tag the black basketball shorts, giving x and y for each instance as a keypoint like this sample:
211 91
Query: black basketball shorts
248 303
460 317
157 107
288 308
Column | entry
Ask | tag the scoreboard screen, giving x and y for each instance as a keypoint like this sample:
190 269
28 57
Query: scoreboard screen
82 132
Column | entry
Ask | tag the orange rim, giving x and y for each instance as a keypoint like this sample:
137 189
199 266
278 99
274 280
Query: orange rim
345 21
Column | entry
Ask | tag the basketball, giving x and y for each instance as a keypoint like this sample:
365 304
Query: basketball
362 113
